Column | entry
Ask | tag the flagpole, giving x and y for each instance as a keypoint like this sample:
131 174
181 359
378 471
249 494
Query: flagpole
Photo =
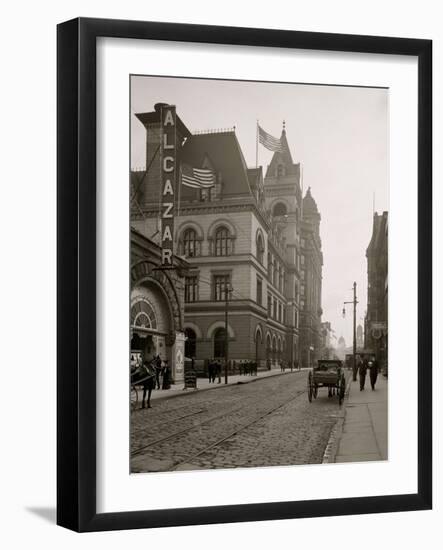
256 146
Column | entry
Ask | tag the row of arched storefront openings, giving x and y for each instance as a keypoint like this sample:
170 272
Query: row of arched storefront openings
274 346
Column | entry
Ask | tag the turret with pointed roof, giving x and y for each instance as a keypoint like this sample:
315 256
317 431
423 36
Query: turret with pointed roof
311 287
282 186
282 163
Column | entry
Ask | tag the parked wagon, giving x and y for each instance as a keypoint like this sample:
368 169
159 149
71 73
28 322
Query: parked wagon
329 373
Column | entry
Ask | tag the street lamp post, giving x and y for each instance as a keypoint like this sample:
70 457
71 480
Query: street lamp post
354 340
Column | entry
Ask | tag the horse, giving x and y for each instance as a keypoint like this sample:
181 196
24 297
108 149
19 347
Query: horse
144 375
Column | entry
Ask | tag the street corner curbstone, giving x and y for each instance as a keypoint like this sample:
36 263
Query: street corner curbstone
331 449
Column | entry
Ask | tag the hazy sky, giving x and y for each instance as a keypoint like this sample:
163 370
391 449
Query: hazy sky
338 134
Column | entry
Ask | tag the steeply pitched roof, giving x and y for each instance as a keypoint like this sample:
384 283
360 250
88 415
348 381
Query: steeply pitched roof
254 176
223 153
309 204
284 158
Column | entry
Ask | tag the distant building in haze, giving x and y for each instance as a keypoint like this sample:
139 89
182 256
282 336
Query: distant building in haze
376 322
311 282
360 340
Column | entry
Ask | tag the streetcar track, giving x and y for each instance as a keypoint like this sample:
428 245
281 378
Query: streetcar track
190 458
175 409
195 426
137 431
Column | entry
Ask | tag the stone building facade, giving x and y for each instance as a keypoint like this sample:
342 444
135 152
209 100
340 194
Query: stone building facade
310 283
376 321
243 234
157 306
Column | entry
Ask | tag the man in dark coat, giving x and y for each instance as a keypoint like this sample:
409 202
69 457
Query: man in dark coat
211 370
373 372
158 369
362 373
166 385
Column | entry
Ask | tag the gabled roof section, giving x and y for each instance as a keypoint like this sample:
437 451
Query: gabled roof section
223 152
255 176
284 158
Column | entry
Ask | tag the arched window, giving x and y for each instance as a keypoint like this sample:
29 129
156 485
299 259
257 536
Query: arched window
222 242
280 170
219 343
260 247
191 244
268 352
190 343
280 209
143 315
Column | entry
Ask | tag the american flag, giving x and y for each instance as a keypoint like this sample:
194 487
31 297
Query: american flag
268 141
198 178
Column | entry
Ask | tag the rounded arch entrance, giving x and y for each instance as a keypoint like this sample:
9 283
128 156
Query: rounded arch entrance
156 317
219 343
258 339
268 351
274 348
151 322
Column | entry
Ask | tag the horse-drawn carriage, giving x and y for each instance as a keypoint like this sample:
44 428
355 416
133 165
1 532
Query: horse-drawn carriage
329 373
142 376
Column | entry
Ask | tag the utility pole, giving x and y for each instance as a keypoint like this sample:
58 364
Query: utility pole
228 290
354 343
354 346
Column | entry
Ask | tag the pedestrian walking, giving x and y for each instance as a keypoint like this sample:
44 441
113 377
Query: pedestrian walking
362 369
373 372
166 385
218 367
158 368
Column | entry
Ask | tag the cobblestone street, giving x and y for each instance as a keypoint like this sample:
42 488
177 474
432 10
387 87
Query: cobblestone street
267 422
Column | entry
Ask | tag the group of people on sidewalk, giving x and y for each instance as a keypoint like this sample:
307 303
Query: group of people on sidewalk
214 370
162 371
362 366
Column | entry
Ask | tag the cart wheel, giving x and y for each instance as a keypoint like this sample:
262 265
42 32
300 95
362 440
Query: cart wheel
341 390
310 389
134 398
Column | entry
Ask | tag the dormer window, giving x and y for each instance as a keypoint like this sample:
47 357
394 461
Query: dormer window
280 209
280 171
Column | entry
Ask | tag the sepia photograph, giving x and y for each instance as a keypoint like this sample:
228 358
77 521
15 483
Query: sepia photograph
259 274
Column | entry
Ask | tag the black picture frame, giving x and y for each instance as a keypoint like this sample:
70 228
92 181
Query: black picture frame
76 280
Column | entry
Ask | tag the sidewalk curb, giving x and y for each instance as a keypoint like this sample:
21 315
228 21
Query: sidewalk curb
178 393
336 433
